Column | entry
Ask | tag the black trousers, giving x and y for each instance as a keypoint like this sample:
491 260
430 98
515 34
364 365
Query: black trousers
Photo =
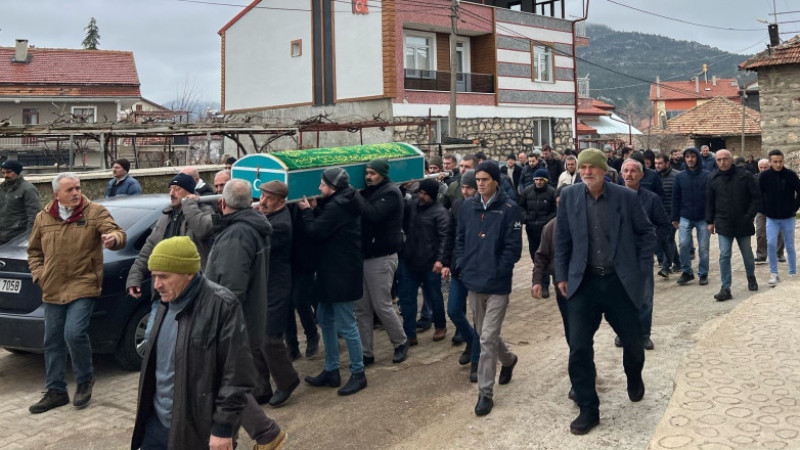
304 304
534 239
597 296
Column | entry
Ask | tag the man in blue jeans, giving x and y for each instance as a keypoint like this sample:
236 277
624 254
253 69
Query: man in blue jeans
780 194
689 211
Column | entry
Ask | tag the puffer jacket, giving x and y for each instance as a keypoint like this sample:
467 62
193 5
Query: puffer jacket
66 256
732 201
239 261
334 226
19 203
689 194
381 219
526 179
197 224
488 244
538 207
668 181
425 227
213 369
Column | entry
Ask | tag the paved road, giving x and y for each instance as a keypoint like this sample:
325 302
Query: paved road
428 400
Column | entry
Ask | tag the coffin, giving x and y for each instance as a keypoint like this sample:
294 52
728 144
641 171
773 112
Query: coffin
302 170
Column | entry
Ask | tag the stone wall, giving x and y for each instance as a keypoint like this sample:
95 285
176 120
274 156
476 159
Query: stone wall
779 97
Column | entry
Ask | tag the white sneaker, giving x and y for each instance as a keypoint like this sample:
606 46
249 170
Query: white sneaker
773 279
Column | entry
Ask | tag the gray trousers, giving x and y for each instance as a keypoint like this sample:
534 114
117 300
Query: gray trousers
761 237
377 301
488 312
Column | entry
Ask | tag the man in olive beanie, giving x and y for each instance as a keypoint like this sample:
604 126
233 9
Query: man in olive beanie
594 157
211 313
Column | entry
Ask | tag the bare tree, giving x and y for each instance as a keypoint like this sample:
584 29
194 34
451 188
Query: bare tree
187 98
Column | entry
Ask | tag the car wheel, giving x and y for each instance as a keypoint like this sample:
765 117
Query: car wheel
130 353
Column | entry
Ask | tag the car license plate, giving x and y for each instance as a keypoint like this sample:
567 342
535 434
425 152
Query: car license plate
10 286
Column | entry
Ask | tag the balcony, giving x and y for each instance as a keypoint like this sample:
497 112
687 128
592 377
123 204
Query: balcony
433 80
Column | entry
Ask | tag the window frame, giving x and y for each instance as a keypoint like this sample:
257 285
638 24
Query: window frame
427 73
28 113
93 108
538 142
536 49
297 43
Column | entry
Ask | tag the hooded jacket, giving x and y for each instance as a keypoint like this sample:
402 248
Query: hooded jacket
780 193
19 204
689 192
425 227
381 219
732 201
239 261
335 228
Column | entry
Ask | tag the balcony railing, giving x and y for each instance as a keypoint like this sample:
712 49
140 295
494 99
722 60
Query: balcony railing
437 80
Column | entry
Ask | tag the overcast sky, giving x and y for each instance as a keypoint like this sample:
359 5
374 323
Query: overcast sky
175 43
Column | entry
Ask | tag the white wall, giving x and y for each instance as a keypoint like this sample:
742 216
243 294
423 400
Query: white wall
259 69
359 51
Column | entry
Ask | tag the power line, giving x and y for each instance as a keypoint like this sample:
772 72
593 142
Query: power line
682 20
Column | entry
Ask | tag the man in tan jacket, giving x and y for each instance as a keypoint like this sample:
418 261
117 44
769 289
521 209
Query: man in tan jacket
65 256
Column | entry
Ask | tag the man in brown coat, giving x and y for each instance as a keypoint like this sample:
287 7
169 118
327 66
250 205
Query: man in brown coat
65 256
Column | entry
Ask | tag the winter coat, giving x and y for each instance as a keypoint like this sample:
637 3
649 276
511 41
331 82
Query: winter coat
128 186
652 206
544 258
566 178
197 224
515 174
732 201
449 259
538 207
239 261
66 256
650 181
507 187
279 290
335 228
19 204
780 193
425 227
213 370
708 162
489 243
381 219
689 194
555 168
526 179
304 250
668 181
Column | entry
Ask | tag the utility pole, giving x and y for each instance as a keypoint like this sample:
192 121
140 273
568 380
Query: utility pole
453 126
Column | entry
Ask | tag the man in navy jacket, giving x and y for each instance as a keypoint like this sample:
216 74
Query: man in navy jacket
689 211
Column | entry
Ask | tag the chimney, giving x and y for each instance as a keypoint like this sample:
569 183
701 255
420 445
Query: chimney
21 51
714 80
697 84
658 86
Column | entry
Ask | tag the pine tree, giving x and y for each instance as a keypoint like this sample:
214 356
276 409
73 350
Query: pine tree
92 38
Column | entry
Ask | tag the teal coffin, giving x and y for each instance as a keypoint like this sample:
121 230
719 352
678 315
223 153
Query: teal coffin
302 170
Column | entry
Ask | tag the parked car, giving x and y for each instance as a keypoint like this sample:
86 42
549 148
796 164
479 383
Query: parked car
119 320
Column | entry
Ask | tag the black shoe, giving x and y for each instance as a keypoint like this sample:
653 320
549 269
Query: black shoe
752 284
636 389
617 342
703 280
676 269
457 339
723 294
263 399
312 347
423 325
280 397
647 343
325 378
83 394
781 259
473 373
466 356
506 372
663 273
400 352
368 360
571 395
357 382
294 354
585 421
545 292
52 399
484 406
685 278
760 260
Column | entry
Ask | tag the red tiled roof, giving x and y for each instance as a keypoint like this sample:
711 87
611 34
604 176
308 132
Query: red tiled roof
585 129
786 53
69 67
716 117
602 105
593 112
676 90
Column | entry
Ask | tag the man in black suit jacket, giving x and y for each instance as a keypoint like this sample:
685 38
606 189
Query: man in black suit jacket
604 248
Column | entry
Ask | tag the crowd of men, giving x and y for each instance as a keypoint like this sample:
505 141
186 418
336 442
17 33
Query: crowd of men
228 277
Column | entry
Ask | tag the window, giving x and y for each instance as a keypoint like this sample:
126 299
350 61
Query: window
420 55
675 113
296 48
86 114
30 117
542 64
515 6
541 132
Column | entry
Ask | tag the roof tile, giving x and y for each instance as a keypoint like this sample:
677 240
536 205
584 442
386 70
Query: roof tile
786 53
677 90
716 117
68 66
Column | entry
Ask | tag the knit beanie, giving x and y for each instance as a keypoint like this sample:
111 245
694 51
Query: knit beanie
491 168
13 165
336 178
124 163
175 255
430 186
594 157
468 179
185 181
541 173
379 165
435 161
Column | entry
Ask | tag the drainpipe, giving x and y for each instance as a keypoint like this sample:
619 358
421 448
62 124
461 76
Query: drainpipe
575 74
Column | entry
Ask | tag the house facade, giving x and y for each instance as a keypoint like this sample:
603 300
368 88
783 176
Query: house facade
672 98
600 125
390 60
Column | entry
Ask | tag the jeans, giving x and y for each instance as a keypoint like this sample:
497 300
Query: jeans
786 226
646 311
408 284
67 327
761 238
339 319
685 238
725 248
156 435
456 302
